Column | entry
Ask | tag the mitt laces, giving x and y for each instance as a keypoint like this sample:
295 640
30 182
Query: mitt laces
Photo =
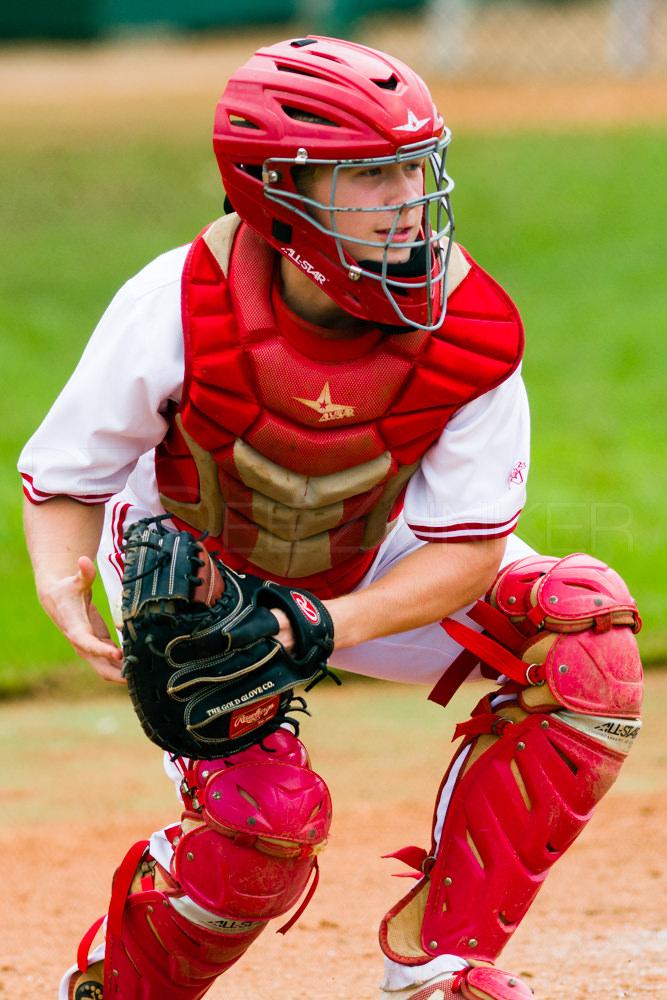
135 539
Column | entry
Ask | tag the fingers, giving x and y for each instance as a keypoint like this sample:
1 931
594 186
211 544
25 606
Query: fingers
285 636
100 651
108 671
99 626
104 657
83 625
87 572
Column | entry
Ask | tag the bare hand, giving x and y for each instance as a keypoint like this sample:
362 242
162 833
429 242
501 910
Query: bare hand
69 604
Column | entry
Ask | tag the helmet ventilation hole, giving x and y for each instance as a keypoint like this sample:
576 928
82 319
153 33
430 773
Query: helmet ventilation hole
307 116
390 84
239 122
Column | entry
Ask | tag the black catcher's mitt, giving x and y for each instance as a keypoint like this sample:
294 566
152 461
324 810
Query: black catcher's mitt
205 674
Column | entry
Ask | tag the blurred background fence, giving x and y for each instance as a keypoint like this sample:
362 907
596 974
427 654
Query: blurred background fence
484 39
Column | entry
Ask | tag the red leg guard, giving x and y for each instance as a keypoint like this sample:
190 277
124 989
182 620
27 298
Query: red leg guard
245 853
512 815
529 776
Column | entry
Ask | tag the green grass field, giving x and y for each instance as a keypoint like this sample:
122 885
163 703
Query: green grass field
572 225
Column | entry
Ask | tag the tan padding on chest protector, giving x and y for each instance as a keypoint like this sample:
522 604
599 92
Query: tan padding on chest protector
219 238
209 511
306 492
457 270
294 513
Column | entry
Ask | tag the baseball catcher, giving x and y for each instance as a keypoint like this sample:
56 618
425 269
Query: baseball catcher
205 673
323 392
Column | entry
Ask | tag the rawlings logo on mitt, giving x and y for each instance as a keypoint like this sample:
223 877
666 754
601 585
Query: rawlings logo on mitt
206 675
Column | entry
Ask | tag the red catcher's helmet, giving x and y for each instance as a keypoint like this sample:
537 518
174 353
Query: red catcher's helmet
361 107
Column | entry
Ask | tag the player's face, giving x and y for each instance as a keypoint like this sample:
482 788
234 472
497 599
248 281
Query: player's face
372 186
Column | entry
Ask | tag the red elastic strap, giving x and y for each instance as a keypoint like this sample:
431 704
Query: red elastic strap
121 886
458 979
481 724
603 622
119 893
309 895
536 673
494 621
84 947
413 857
532 622
189 785
487 649
452 679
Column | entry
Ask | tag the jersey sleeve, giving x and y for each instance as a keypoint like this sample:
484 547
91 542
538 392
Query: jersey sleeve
112 409
471 484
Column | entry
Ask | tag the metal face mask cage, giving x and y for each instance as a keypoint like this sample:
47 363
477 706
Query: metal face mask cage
436 230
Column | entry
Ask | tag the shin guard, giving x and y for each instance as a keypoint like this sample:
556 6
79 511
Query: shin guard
535 761
244 853
517 807
152 951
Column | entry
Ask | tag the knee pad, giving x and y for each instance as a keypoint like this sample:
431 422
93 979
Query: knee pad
253 848
564 629
536 757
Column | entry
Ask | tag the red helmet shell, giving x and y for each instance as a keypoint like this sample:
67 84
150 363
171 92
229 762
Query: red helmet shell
365 104
375 103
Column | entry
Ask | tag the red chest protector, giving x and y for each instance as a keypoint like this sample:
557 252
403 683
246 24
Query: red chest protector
293 451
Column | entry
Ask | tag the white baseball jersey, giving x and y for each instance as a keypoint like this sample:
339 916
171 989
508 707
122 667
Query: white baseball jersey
96 443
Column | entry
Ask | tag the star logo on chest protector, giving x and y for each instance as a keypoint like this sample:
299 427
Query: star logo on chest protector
326 409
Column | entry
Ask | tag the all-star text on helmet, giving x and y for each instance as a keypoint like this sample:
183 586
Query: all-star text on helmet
319 102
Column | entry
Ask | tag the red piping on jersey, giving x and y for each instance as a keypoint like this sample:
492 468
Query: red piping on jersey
116 558
37 497
485 529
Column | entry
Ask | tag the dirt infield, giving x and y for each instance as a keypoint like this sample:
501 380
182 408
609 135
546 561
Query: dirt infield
80 784
170 83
